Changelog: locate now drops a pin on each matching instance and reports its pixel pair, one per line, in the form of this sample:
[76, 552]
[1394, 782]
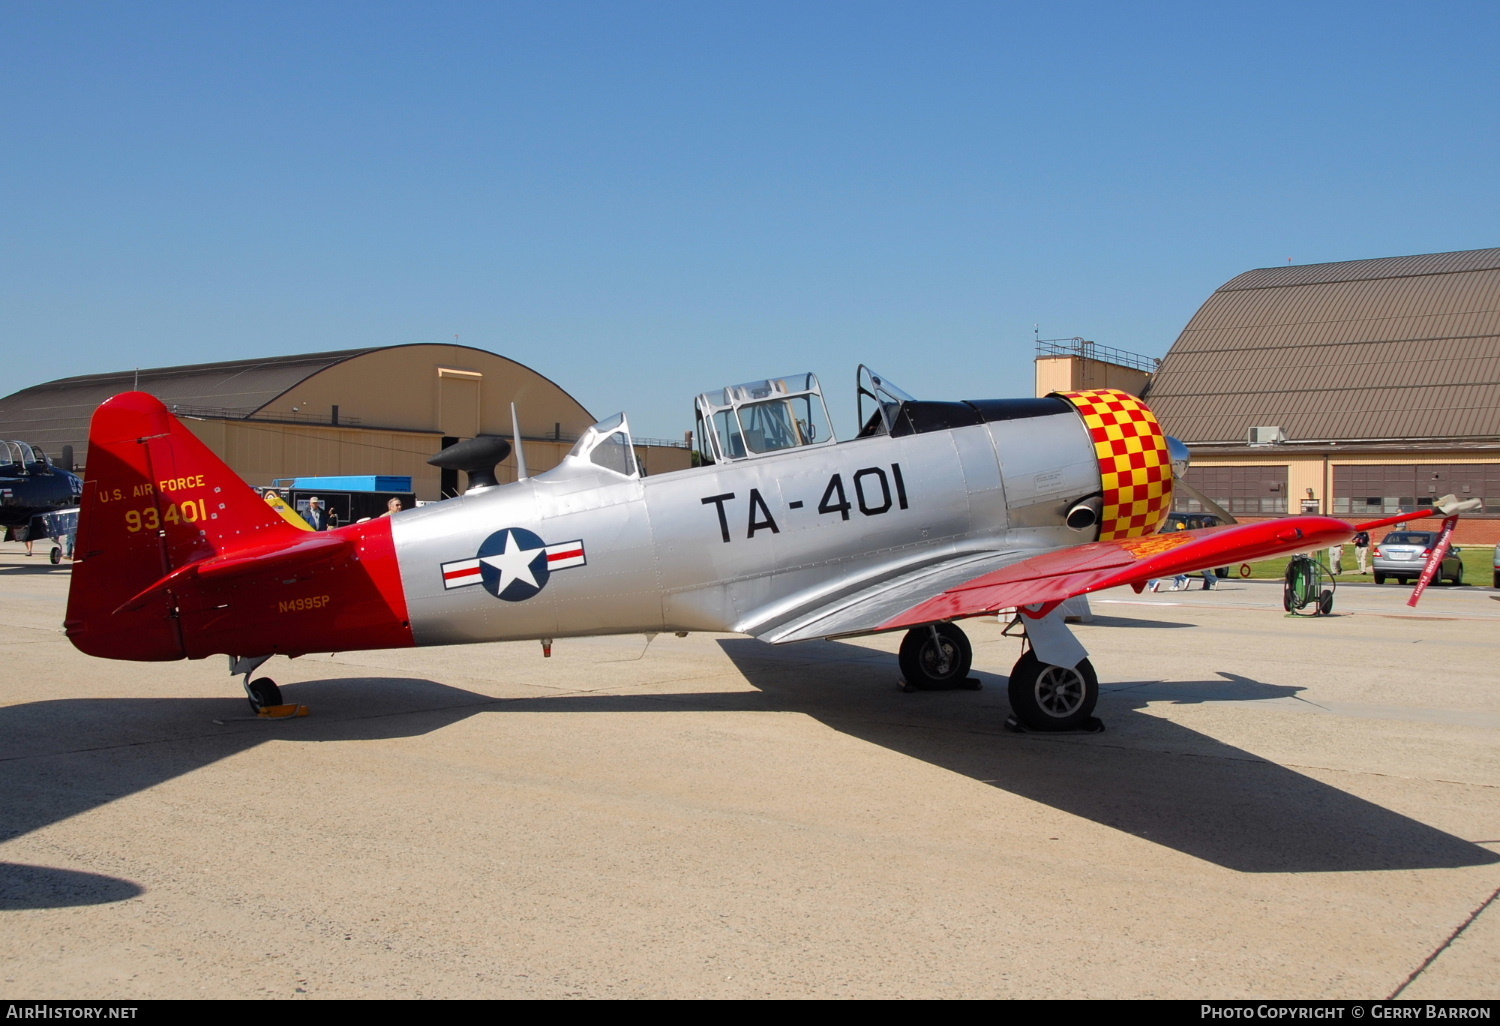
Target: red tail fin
[155, 498]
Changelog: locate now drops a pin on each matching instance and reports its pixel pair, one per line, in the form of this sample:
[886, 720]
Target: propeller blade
[1450, 504]
[1207, 503]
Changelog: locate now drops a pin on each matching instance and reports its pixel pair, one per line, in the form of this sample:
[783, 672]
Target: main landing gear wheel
[1046, 697]
[262, 692]
[935, 657]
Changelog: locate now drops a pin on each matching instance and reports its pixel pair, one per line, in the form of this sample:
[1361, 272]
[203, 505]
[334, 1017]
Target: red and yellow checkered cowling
[1134, 468]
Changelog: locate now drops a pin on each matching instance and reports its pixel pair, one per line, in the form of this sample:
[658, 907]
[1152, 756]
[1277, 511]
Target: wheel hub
[937, 659]
[1060, 691]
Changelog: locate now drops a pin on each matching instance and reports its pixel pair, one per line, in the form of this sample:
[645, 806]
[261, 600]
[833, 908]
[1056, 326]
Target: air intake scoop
[477, 457]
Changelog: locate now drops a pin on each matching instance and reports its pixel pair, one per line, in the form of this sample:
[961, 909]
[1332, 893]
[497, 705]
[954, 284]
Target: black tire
[1046, 697]
[1221, 572]
[263, 692]
[1325, 603]
[1497, 578]
[1287, 596]
[1458, 578]
[1379, 577]
[55, 555]
[930, 667]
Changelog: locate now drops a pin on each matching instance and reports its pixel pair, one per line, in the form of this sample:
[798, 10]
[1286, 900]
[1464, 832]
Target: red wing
[1056, 576]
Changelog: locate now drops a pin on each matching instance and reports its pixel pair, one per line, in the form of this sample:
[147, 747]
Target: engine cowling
[1135, 464]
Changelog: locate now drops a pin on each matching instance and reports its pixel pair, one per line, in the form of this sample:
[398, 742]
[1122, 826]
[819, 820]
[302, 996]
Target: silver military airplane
[934, 512]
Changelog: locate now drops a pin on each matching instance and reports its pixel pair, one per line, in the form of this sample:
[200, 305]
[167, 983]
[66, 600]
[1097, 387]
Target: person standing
[392, 507]
[1362, 551]
[317, 516]
[1336, 559]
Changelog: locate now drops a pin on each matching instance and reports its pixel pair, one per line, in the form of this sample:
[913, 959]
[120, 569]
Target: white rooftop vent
[1266, 436]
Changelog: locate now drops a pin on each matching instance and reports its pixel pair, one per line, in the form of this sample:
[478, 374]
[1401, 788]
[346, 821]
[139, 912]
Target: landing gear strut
[936, 657]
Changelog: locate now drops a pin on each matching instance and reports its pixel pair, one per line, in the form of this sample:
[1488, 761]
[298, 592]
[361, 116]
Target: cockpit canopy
[745, 421]
[607, 444]
[23, 458]
[888, 400]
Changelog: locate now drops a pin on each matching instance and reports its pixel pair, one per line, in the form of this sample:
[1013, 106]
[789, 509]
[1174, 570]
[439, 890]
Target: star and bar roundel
[1135, 470]
[513, 564]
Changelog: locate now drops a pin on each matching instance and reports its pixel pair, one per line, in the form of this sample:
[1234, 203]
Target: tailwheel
[263, 693]
[1046, 697]
[935, 657]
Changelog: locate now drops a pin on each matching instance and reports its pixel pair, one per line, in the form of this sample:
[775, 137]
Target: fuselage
[178, 557]
[727, 547]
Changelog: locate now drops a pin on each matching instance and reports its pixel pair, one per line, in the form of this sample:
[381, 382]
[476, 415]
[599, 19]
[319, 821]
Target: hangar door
[457, 414]
[1374, 489]
[458, 402]
[1249, 490]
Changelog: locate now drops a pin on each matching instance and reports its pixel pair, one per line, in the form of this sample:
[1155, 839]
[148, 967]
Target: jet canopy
[23, 458]
[745, 421]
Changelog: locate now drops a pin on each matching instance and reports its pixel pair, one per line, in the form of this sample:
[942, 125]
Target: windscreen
[607, 444]
[783, 424]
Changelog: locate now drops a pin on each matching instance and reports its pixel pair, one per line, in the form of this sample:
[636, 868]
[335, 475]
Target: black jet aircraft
[30, 485]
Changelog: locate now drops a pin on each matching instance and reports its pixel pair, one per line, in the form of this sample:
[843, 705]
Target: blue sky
[646, 200]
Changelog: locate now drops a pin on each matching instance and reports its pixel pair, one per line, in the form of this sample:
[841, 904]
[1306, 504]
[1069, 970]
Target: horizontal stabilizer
[257, 559]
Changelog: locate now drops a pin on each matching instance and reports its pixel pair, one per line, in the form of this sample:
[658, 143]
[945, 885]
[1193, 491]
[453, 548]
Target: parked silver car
[1403, 554]
[1497, 566]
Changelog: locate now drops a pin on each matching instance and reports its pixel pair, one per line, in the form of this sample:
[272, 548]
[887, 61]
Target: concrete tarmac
[1279, 808]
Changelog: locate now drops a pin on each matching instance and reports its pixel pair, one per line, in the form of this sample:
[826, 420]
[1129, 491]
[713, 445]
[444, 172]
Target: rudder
[155, 498]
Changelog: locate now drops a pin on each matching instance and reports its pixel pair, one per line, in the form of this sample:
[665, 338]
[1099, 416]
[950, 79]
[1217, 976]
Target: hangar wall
[381, 410]
[447, 389]
[386, 411]
[261, 451]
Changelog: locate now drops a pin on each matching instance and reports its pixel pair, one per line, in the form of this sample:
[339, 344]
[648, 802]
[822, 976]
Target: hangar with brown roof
[1356, 388]
[380, 410]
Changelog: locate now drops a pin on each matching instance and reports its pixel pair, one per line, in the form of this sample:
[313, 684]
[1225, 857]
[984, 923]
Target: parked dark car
[1403, 554]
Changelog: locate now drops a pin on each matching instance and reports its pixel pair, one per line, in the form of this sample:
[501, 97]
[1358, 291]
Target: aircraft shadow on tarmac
[23, 886]
[64, 758]
[33, 569]
[1145, 776]
[1125, 621]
